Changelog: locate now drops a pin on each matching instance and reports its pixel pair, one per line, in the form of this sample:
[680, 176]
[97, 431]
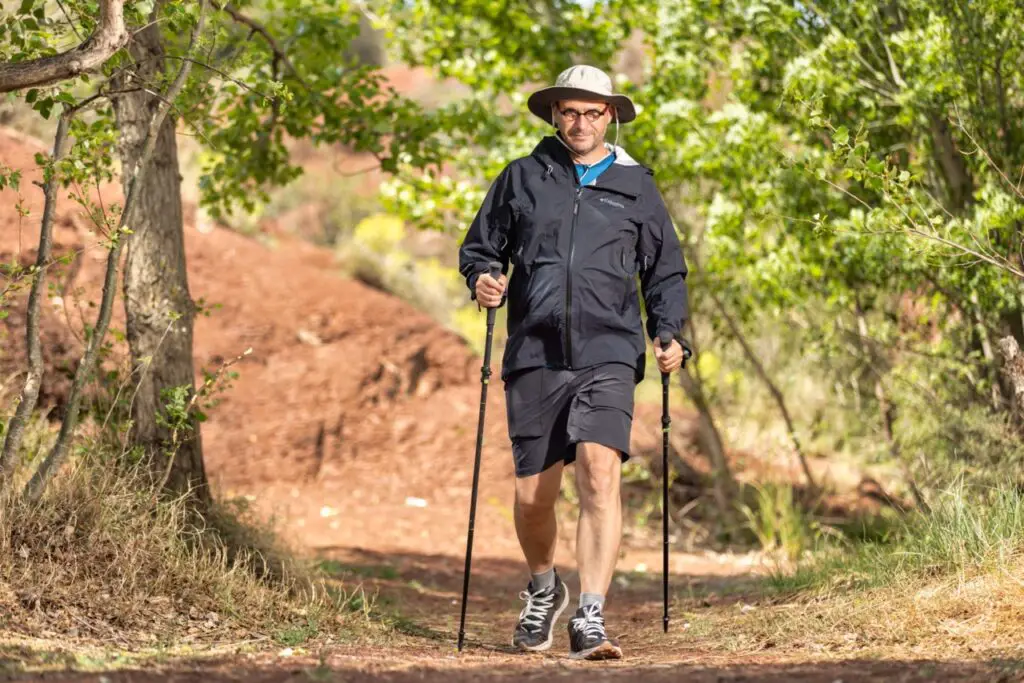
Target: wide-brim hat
[581, 82]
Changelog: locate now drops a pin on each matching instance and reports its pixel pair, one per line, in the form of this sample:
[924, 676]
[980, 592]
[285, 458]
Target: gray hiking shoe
[587, 639]
[534, 632]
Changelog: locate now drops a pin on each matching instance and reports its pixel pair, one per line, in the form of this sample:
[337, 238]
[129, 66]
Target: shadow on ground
[848, 671]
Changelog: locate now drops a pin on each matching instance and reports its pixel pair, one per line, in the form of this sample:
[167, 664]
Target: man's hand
[670, 359]
[489, 290]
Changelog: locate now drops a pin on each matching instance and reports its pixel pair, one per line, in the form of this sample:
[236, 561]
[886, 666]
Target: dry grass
[101, 556]
[961, 616]
[946, 583]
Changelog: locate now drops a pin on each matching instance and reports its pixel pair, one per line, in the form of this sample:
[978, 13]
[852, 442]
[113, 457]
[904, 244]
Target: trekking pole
[485, 374]
[666, 420]
[666, 341]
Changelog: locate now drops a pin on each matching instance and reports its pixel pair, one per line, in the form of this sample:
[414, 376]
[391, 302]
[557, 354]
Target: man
[579, 220]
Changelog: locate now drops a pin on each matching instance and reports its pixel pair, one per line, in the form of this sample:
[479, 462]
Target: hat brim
[540, 102]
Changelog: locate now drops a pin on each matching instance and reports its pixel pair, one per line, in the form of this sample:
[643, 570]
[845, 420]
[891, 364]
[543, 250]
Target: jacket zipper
[568, 279]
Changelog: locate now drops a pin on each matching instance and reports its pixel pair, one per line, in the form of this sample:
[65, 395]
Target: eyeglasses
[591, 115]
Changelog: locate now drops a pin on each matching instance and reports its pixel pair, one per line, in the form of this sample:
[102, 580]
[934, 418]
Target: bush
[375, 256]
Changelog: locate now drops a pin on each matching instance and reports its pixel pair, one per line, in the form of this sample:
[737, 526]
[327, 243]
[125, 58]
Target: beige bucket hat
[580, 82]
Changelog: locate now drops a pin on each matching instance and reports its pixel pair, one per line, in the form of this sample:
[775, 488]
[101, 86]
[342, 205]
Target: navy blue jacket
[576, 253]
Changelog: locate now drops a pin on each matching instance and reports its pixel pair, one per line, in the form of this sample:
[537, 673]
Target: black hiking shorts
[550, 411]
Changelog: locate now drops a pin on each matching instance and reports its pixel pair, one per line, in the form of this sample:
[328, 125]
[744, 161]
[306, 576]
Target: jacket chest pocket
[628, 248]
[535, 236]
[629, 261]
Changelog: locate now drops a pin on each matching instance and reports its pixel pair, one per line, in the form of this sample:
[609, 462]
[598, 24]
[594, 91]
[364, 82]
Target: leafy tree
[264, 74]
[831, 166]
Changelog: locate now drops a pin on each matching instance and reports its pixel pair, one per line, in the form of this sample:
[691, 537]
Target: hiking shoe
[537, 620]
[587, 639]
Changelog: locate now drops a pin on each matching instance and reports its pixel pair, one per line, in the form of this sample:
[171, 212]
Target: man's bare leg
[597, 548]
[598, 473]
[537, 530]
[536, 525]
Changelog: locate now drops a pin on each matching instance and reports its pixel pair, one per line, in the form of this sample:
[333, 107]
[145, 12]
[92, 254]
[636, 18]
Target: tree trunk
[959, 183]
[773, 389]
[710, 442]
[886, 410]
[1013, 371]
[158, 306]
[992, 365]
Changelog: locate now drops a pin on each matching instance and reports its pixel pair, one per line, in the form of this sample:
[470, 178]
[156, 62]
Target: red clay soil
[354, 420]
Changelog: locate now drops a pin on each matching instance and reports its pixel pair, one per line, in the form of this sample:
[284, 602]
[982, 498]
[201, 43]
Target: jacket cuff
[678, 336]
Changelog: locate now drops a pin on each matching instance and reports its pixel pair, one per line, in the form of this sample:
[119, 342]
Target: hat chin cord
[558, 136]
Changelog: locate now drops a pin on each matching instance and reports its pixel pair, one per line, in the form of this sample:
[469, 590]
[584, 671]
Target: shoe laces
[537, 607]
[591, 623]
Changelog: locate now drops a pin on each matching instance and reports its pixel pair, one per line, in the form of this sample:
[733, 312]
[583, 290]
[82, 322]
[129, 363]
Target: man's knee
[598, 474]
[534, 500]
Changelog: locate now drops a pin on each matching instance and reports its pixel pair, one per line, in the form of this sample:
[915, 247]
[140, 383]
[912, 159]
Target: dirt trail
[354, 421]
[425, 588]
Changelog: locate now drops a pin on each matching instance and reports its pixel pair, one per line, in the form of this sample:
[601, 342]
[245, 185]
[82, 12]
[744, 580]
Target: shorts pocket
[523, 404]
[613, 387]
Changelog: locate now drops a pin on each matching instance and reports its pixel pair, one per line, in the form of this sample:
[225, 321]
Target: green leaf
[842, 135]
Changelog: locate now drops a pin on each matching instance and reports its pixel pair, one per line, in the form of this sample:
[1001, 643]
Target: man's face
[573, 120]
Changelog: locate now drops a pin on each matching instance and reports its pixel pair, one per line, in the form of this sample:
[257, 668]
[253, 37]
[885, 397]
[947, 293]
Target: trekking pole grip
[494, 270]
[666, 341]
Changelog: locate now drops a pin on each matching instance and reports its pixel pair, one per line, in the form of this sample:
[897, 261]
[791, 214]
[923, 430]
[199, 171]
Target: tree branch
[70, 22]
[33, 380]
[776, 393]
[259, 28]
[223, 75]
[914, 229]
[109, 37]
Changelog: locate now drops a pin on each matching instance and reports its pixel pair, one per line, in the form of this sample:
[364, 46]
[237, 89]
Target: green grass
[297, 634]
[963, 532]
[336, 568]
[780, 523]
